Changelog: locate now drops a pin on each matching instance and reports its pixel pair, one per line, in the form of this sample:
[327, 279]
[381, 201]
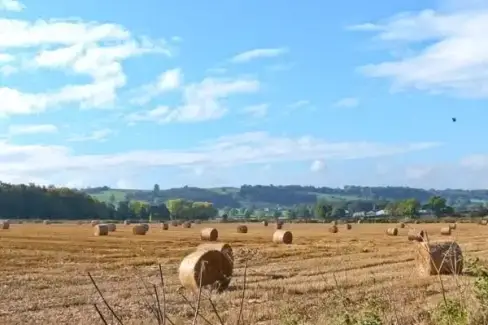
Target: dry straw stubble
[392, 231]
[101, 230]
[282, 237]
[439, 258]
[242, 229]
[205, 267]
[209, 234]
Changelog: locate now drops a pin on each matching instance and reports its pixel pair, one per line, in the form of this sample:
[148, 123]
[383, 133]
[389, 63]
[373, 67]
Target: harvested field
[44, 272]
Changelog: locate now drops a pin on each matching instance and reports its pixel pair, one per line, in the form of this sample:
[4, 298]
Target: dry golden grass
[44, 271]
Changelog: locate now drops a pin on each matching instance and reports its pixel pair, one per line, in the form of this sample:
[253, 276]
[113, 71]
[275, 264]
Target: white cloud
[256, 111]
[201, 101]
[11, 5]
[317, 165]
[258, 54]
[22, 129]
[46, 162]
[97, 135]
[85, 48]
[166, 81]
[347, 102]
[450, 51]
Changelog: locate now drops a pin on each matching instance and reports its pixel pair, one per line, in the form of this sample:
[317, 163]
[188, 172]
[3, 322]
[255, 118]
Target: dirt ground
[43, 273]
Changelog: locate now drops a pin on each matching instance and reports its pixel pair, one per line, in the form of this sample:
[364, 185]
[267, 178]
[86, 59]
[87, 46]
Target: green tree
[437, 204]
[322, 210]
[338, 213]
[176, 207]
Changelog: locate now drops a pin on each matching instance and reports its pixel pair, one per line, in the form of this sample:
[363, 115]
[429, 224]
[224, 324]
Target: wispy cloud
[97, 135]
[347, 102]
[256, 111]
[317, 165]
[11, 5]
[258, 54]
[167, 81]
[24, 129]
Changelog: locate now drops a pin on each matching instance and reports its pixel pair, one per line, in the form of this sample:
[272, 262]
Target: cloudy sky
[211, 93]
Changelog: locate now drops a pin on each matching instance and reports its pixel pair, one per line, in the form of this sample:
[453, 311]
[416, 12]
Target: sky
[223, 93]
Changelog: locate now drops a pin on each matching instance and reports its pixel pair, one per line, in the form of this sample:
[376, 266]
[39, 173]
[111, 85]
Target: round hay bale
[221, 247]
[164, 226]
[333, 229]
[453, 226]
[359, 221]
[174, 223]
[265, 223]
[205, 267]
[242, 229]
[446, 231]
[4, 224]
[139, 229]
[334, 223]
[94, 223]
[186, 224]
[392, 231]
[146, 226]
[279, 225]
[111, 227]
[348, 226]
[439, 258]
[210, 234]
[416, 235]
[417, 222]
[282, 237]
[402, 225]
[483, 222]
[101, 229]
[126, 222]
[46, 222]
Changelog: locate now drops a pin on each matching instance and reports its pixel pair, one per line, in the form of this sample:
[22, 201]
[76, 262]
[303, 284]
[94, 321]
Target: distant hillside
[261, 196]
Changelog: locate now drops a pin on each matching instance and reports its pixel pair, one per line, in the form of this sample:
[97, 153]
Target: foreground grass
[359, 276]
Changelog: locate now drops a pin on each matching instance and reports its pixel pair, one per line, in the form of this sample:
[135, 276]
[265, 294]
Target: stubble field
[43, 273]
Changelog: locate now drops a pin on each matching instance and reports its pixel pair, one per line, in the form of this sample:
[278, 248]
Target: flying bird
[454, 119]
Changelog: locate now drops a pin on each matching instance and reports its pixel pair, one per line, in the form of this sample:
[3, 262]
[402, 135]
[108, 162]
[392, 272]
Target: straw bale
[111, 227]
[484, 222]
[126, 222]
[242, 229]
[210, 234]
[174, 223]
[402, 225]
[453, 226]
[348, 226]
[101, 229]
[95, 222]
[439, 258]
[4, 224]
[416, 235]
[446, 231]
[282, 237]
[164, 226]
[224, 248]
[205, 267]
[139, 229]
[265, 223]
[46, 222]
[334, 222]
[333, 229]
[146, 226]
[392, 231]
[186, 224]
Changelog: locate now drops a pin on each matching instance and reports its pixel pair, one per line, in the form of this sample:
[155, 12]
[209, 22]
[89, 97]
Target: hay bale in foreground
[416, 235]
[139, 230]
[392, 231]
[265, 223]
[446, 231]
[439, 258]
[348, 226]
[205, 267]
[333, 229]
[101, 230]
[242, 229]
[164, 226]
[4, 224]
[453, 226]
[224, 248]
[282, 237]
[210, 234]
[94, 223]
[402, 225]
[186, 224]
[111, 227]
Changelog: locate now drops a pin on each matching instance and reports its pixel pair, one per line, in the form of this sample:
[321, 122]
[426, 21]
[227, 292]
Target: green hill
[262, 196]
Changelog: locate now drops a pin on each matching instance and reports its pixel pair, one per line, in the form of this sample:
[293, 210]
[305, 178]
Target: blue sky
[128, 94]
